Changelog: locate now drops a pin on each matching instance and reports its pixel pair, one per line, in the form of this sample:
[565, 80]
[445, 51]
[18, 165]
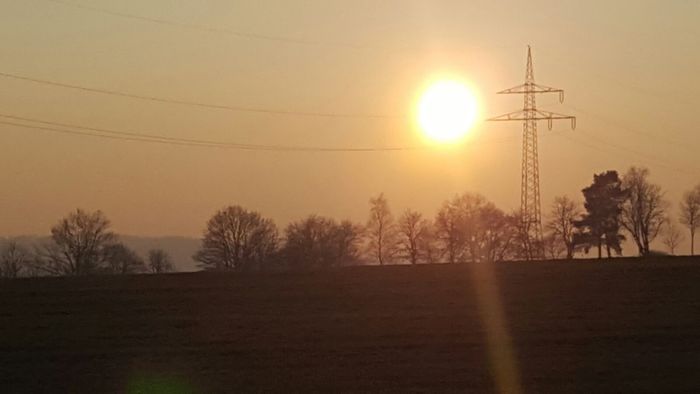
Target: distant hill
[180, 249]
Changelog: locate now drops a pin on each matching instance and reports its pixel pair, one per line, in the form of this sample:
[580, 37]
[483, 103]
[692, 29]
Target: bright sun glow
[447, 110]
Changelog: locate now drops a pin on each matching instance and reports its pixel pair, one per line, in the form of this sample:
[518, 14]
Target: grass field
[546, 327]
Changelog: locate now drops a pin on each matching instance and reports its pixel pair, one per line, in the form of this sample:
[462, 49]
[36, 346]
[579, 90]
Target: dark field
[575, 327]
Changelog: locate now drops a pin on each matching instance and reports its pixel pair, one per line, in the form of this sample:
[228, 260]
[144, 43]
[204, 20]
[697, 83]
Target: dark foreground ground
[575, 327]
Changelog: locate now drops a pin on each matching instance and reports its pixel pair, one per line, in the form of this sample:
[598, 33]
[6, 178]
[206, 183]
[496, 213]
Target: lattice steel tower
[530, 207]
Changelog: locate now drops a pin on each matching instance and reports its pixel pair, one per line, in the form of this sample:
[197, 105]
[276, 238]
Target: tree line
[467, 228]
[81, 243]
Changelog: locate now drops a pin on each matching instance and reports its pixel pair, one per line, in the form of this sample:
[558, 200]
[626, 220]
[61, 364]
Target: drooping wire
[114, 134]
[620, 148]
[406, 49]
[219, 30]
[607, 120]
[129, 136]
[195, 103]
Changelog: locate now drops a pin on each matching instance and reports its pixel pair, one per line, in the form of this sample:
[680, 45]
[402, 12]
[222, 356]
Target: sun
[447, 111]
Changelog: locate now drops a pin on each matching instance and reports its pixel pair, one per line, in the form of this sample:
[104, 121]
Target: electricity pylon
[530, 207]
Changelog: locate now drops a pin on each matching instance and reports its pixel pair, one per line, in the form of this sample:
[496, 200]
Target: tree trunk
[641, 249]
[600, 249]
[692, 242]
[646, 248]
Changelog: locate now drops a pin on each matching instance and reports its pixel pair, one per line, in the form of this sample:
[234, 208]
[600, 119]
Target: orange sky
[629, 69]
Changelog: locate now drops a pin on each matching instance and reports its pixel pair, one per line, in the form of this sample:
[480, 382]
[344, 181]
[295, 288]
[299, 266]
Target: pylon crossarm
[515, 115]
[533, 88]
[552, 116]
[530, 115]
[540, 114]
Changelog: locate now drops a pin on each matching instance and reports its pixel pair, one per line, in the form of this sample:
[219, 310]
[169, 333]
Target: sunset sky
[629, 69]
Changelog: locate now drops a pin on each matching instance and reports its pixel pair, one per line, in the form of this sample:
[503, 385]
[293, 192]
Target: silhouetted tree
[489, 232]
[120, 260]
[471, 228]
[511, 249]
[564, 212]
[159, 262]
[600, 225]
[469, 208]
[525, 246]
[448, 231]
[427, 243]
[644, 212]
[672, 237]
[413, 230]
[381, 230]
[554, 248]
[690, 214]
[530, 248]
[318, 242]
[13, 260]
[347, 239]
[77, 245]
[237, 239]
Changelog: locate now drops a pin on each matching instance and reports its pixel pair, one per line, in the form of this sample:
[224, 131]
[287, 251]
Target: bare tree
[77, 245]
[237, 239]
[13, 260]
[563, 214]
[120, 260]
[554, 248]
[381, 230]
[644, 212]
[427, 243]
[471, 228]
[318, 242]
[672, 237]
[690, 214]
[159, 261]
[496, 235]
[347, 237]
[413, 230]
[516, 239]
[525, 247]
[448, 231]
[471, 210]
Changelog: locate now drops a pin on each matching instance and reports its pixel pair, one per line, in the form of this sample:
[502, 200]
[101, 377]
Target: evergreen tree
[600, 225]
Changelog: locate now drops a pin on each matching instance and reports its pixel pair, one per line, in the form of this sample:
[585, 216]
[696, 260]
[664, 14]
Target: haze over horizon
[629, 74]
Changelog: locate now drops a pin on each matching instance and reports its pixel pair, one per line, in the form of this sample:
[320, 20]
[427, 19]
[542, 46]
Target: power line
[210, 29]
[128, 136]
[259, 110]
[653, 159]
[611, 122]
[253, 36]
[139, 136]
[114, 134]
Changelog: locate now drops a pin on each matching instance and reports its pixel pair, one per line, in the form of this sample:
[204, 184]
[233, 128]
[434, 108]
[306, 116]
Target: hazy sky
[629, 68]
